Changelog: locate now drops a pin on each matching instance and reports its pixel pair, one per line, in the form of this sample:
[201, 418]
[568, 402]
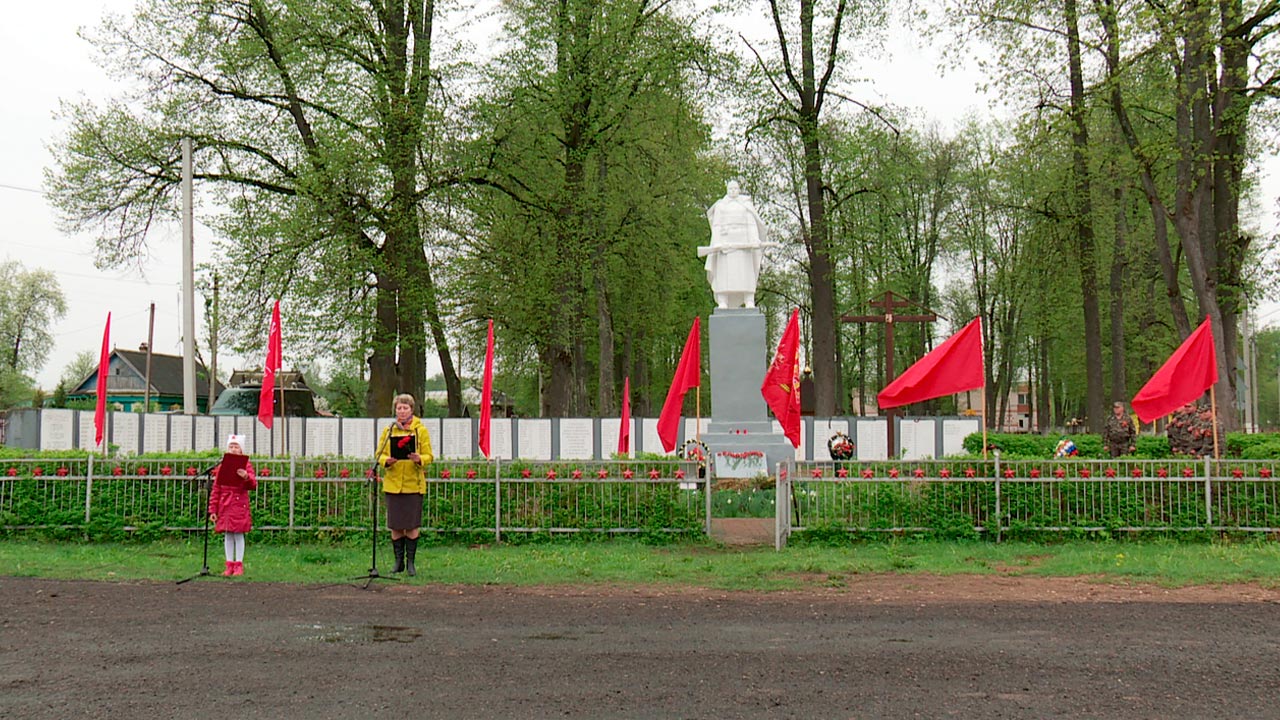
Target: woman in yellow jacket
[404, 484]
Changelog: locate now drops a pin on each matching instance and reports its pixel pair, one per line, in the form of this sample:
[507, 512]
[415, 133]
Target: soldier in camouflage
[1118, 435]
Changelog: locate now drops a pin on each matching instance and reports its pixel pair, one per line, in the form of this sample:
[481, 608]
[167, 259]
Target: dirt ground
[883, 646]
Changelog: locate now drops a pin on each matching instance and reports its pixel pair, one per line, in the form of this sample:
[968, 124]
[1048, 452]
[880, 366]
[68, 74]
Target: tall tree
[595, 175]
[30, 303]
[317, 125]
[812, 40]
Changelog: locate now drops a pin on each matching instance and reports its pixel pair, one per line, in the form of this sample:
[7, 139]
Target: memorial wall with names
[457, 438]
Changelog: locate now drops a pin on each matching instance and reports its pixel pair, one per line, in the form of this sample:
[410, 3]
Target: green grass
[625, 562]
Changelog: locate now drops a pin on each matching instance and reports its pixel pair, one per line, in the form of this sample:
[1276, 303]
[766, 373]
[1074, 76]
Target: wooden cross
[888, 303]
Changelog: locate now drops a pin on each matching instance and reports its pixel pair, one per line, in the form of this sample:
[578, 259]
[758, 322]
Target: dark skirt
[404, 510]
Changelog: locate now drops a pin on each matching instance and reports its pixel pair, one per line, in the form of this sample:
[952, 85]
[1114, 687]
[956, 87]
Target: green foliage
[1015, 446]
[344, 393]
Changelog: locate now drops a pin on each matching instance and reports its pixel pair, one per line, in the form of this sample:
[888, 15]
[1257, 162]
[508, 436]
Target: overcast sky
[43, 61]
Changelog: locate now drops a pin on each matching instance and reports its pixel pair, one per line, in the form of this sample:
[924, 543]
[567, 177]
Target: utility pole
[188, 287]
[151, 332]
[212, 309]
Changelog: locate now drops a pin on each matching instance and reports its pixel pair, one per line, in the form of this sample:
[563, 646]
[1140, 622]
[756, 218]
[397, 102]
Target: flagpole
[1213, 407]
[284, 429]
[984, 421]
[697, 423]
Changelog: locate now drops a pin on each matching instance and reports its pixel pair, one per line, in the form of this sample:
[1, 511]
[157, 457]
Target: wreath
[696, 451]
[840, 446]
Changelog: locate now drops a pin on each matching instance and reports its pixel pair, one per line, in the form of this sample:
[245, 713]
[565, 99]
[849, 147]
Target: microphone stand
[373, 574]
[208, 485]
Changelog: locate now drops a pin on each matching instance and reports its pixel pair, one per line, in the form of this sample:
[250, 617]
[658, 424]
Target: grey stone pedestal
[740, 425]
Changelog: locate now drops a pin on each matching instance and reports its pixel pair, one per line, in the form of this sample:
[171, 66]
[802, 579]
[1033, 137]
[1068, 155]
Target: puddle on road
[361, 633]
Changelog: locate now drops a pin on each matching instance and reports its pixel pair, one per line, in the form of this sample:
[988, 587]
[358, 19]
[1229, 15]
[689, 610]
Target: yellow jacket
[405, 476]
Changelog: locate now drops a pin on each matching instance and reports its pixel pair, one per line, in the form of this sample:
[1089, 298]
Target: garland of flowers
[840, 446]
[743, 454]
[696, 451]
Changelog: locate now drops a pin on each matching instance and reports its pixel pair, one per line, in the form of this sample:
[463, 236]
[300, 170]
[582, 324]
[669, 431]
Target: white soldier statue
[738, 240]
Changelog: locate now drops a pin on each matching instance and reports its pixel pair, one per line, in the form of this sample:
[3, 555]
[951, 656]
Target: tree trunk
[1119, 261]
[1082, 218]
[821, 278]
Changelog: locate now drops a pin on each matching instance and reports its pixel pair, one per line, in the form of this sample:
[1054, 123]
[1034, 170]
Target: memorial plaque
[293, 441]
[871, 440]
[822, 432]
[740, 463]
[85, 431]
[456, 442]
[206, 437]
[180, 432]
[56, 428]
[255, 436]
[155, 433]
[499, 438]
[359, 437]
[124, 431]
[322, 436]
[954, 431]
[576, 442]
[609, 437]
[918, 438]
[652, 444]
[434, 432]
[226, 427]
[535, 438]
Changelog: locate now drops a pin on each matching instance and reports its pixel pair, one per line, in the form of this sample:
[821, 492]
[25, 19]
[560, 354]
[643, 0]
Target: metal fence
[614, 497]
[1000, 497]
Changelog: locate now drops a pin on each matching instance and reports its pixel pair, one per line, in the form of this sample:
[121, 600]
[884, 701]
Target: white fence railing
[614, 497]
[995, 498]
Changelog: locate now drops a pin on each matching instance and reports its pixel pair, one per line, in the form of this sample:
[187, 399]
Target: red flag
[266, 396]
[781, 386]
[624, 430]
[486, 394]
[1189, 371]
[952, 367]
[100, 407]
[688, 374]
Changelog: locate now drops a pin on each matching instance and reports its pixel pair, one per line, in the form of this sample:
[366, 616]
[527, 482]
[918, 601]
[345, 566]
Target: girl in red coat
[229, 509]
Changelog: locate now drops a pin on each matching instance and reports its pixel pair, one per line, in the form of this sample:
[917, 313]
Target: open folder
[228, 474]
[402, 445]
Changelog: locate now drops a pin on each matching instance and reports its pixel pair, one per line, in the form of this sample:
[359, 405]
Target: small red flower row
[1187, 472]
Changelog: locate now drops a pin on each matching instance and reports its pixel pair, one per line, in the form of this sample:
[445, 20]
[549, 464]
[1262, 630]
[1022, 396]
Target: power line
[23, 189]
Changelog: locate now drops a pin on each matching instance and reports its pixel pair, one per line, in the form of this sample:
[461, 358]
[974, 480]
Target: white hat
[237, 439]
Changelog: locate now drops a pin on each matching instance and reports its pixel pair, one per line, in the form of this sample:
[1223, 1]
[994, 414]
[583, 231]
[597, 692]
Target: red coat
[231, 504]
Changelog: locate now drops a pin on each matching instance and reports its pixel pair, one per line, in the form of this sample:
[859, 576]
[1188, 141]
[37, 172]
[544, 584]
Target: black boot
[410, 550]
[397, 546]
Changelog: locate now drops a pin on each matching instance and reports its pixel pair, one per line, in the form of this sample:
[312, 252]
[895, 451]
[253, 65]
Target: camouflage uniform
[1118, 435]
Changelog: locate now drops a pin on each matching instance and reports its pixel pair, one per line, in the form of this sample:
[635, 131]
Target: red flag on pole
[486, 394]
[624, 430]
[688, 375]
[781, 386]
[266, 396]
[954, 366]
[100, 406]
[1189, 371]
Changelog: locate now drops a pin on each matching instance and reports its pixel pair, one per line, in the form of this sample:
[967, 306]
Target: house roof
[166, 374]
